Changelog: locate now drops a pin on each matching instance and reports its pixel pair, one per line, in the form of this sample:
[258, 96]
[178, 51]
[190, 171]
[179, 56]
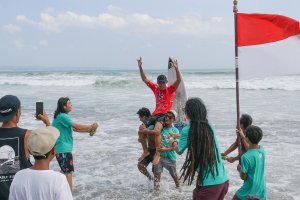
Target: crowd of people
[22, 180]
[203, 157]
[159, 138]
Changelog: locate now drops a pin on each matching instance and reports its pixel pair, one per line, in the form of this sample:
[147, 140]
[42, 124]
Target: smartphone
[39, 109]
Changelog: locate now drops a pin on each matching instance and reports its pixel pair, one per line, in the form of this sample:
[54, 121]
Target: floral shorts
[65, 162]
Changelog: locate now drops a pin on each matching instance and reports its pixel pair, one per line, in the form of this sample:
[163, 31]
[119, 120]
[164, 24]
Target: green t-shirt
[219, 178]
[165, 142]
[64, 123]
[253, 164]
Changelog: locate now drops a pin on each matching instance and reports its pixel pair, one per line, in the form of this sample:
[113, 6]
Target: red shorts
[212, 192]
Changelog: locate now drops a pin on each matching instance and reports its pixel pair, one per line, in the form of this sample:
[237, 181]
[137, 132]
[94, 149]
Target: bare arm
[84, 128]
[243, 139]
[165, 149]
[44, 118]
[142, 73]
[242, 175]
[178, 77]
[175, 135]
[155, 131]
[230, 149]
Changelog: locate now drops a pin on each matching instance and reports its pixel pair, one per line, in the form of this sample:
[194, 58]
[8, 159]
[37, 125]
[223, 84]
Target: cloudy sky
[113, 33]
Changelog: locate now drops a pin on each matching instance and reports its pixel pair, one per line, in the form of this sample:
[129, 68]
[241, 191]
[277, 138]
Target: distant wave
[193, 80]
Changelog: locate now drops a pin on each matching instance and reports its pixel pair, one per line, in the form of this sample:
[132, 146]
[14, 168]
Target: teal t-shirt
[209, 180]
[64, 123]
[165, 142]
[253, 164]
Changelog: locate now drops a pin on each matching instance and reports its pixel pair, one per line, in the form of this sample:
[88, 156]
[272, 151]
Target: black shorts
[149, 158]
[153, 119]
[65, 162]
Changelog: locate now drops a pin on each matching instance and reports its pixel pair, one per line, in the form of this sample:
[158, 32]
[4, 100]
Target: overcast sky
[112, 34]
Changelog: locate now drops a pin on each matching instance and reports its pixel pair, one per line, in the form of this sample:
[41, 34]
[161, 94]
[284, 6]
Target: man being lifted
[164, 96]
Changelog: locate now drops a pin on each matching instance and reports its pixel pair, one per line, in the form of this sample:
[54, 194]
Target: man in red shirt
[164, 96]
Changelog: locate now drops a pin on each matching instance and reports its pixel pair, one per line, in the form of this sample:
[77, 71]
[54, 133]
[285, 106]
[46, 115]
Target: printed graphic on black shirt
[9, 158]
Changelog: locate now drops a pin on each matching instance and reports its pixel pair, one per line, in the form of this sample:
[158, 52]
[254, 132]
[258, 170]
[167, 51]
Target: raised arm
[178, 77]
[243, 139]
[142, 73]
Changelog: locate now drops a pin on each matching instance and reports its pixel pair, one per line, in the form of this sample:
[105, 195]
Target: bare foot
[156, 158]
[144, 155]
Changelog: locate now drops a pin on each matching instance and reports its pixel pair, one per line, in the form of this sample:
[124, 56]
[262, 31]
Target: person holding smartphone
[13, 142]
[64, 144]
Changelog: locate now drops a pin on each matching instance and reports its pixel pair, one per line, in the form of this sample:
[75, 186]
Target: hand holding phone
[39, 109]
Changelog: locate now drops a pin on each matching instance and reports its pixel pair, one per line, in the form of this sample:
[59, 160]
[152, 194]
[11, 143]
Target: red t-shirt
[164, 99]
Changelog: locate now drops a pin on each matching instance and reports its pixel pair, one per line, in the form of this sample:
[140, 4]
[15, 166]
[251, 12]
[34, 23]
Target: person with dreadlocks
[203, 154]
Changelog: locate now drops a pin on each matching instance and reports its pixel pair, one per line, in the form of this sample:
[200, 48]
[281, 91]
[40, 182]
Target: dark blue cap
[9, 106]
[162, 79]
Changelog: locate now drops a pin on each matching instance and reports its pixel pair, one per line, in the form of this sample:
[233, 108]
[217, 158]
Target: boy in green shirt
[167, 153]
[252, 168]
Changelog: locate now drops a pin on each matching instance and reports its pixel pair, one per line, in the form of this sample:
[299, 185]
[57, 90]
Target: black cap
[162, 79]
[9, 106]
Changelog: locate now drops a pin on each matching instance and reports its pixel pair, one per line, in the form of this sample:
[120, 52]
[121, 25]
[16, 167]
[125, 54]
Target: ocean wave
[133, 80]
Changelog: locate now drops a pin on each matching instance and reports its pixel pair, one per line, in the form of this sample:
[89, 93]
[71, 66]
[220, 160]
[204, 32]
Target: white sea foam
[131, 79]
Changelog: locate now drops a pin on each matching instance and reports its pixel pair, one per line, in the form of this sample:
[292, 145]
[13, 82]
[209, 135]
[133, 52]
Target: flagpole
[235, 10]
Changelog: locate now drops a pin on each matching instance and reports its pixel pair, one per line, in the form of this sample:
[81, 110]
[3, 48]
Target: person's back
[252, 168]
[254, 160]
[13, 155]
[39, 184]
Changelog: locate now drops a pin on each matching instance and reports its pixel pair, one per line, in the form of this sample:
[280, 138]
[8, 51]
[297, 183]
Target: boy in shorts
[167, 153]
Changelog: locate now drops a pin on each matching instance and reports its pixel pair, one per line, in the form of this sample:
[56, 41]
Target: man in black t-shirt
[14, 154]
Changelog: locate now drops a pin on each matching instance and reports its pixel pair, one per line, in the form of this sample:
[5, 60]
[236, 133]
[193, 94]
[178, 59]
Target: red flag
[267, 45]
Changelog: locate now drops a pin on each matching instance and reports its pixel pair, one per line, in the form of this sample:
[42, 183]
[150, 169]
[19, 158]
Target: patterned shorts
[65, 162]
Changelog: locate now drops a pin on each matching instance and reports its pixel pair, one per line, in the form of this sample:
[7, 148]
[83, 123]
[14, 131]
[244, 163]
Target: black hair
[62, 102]
[254, 134]
[202, 154]
[144, 112]
[43, 157]
[246, 120]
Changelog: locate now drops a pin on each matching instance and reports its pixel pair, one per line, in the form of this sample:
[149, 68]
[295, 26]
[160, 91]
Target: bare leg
[158, 126]
[144, 171]
[157, 180]
[69, 179]
[176, 180]
[143, 141]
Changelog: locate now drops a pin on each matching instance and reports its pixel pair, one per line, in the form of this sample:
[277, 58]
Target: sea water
[106, 164]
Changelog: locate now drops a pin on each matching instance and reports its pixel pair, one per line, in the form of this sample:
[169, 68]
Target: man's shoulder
[14, 129]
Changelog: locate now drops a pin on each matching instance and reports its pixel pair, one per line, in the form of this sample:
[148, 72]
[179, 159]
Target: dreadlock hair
[202, 154]
[62, 102]
[246, 120]
[254, 134]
